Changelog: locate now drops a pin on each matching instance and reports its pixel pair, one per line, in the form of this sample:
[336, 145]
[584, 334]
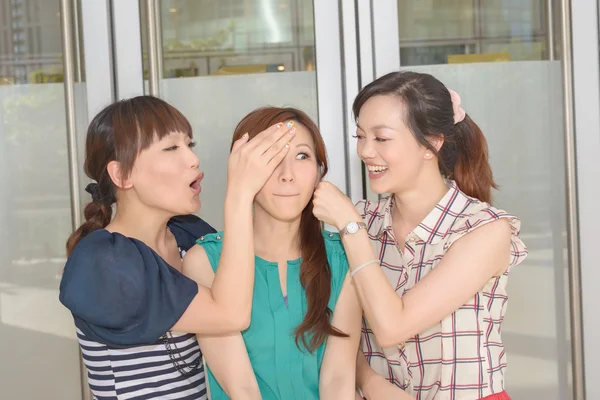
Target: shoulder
[480, 221]
[207, 246]
[104, 253]
[188, 228]
[121, 292]
[336, 255]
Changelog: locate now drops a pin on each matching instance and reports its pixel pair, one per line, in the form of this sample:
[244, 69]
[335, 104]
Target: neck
[411, 206]
[142, 223]
[275, 240]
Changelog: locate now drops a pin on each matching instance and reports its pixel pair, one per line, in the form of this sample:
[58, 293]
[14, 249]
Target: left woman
[135, 312]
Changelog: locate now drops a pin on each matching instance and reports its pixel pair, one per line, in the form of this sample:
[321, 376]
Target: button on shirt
[462, 357]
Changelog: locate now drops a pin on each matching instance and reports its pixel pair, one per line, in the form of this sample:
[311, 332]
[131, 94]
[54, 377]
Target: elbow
[390, 337]
[240, 320]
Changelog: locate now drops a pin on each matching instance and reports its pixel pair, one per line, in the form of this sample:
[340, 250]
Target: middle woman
[305, 327]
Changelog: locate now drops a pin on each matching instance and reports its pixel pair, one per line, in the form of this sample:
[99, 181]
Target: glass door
[219, 60]
[504, 58]
[39, 352]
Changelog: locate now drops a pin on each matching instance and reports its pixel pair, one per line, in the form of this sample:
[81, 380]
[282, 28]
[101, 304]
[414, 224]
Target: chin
[191, 208]
[379, 188]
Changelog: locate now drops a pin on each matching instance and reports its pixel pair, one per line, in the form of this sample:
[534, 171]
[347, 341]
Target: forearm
[342, 386]
[380, 303]
[233, 284]
[243, 392]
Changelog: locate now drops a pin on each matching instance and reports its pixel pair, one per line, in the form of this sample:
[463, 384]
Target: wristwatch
[352, 228]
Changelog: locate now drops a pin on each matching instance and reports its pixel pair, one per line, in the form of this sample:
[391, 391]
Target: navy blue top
[121, 292]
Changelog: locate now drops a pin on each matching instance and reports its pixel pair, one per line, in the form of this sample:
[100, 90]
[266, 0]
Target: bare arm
[226, 355]
[226, 307]
[373, 385]
[469, 263]
[337, 372]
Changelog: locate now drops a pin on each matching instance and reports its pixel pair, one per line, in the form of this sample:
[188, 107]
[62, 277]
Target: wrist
[238, 197]
[343, 222]
[371, 384]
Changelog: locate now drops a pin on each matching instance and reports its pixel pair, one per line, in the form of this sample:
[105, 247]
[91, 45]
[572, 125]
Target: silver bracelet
[355, 270]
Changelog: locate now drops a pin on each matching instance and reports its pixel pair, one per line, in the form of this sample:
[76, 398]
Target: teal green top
[283, 371]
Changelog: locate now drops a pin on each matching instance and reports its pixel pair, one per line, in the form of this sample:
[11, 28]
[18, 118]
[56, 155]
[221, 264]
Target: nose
[286, 173]
[365, 149]
[194, 160]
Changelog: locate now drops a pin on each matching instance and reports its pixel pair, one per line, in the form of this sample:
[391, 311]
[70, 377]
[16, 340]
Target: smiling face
[165, 176]
[289, 190]
[386, 145]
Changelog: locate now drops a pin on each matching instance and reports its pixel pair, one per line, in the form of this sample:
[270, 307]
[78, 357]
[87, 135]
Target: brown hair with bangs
[315, 272]
[119, 133]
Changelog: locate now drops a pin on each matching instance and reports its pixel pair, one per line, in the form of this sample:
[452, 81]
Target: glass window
[507, 30]
[232, 57]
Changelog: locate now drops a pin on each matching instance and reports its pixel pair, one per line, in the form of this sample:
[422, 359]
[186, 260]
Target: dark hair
[119, 133]
[463, 156]
[315, 273]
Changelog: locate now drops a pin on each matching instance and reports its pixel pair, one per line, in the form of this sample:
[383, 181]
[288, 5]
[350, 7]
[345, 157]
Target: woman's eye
[302, 156]
[192, 145]
[358, 137]
[381, 139]
[171, 148]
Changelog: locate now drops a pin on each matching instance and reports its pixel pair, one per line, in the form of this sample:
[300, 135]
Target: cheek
[308, 180]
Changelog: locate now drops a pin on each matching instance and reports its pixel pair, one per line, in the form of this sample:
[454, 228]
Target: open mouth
[195, 185]
[376, 171]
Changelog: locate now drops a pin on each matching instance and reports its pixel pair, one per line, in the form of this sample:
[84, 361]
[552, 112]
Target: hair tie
[459, 112]
[94, 189]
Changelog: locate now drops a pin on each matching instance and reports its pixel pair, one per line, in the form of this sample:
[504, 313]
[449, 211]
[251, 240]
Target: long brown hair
[315, 272]
[463, 156]
[119, 133]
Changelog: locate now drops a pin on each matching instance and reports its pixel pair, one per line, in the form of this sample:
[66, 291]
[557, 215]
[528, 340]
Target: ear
[114, 171]
[436, 142]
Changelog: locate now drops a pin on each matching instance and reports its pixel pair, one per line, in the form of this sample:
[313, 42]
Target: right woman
[135, 312]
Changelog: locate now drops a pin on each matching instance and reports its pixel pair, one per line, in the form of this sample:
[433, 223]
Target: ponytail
[472, 171]
[97, 216]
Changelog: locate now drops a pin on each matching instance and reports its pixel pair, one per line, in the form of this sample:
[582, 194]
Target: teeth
[376, 168]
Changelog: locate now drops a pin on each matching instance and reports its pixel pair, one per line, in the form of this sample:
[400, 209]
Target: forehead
[381, 109]
[303, 136]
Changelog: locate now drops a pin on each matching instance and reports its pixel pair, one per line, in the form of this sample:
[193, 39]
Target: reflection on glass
[440, 31]
[234, 56]
[231, 37]
[37, 333]
[422, 55]
[30, 42]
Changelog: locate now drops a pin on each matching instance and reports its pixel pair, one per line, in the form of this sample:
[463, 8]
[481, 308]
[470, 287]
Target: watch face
[352, 227]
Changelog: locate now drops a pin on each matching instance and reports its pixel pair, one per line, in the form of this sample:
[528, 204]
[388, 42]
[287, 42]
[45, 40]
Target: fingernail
[245, 135]
[292, 131]
[287, 144]
[290, 124]
[279, 125]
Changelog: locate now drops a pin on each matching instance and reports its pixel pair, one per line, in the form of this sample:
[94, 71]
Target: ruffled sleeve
[518, 250]
[121, 293]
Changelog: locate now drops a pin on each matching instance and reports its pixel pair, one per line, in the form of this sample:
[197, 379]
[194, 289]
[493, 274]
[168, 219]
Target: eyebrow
[376, 127]
[304, 145]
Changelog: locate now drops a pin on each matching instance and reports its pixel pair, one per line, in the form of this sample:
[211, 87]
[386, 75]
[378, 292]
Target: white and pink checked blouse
[461, 357]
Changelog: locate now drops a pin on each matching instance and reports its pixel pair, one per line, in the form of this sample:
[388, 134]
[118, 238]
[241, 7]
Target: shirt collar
[436, 224]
